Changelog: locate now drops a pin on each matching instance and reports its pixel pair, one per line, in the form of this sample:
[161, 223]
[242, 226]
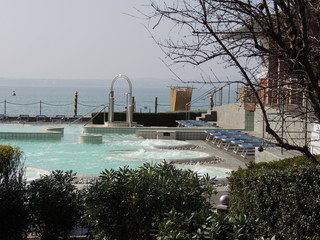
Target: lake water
[53, 99]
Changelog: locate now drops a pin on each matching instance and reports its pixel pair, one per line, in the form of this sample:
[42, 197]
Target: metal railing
[212, 91]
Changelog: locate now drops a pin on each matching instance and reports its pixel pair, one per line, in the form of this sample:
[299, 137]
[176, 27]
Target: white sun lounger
[58, 118]
[23, 118]
[220, 140]
[212, 133]
[218, 132]
[217, 136]
[246, 147]
[242, 143]
[194, 123]
[244, 139]
[41, 118]
[229, 141]
[3, 117]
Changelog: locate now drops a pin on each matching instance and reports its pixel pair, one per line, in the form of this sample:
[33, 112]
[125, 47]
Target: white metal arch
[129, 101]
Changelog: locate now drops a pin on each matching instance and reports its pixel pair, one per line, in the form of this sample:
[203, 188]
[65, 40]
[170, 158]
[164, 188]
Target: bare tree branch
[278, 37]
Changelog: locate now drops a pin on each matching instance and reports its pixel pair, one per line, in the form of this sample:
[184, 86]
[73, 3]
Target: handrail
[103, 109]
[188, 105]
[91, 111]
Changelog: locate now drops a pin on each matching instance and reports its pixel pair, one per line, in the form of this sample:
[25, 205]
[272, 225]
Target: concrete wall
[176, 135]
[231, 116]
[294, 128]
[274, 154]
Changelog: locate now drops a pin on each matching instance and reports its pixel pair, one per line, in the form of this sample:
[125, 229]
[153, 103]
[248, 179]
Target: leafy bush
[283, 164]
[203, 225]
[125, 204]
[11, 168]
[284, 196]
[13, 210]
[54, 205]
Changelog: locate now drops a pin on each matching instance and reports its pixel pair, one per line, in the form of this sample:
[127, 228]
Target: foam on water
[116, 151]
[210, 170]
[34, 173]
[145, 154]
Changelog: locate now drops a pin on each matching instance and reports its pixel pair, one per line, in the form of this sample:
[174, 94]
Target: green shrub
[283, 164]
[54, 205]
[284, 196]
[125, 204]
[13, 209]
[11, 168]
[203, 225]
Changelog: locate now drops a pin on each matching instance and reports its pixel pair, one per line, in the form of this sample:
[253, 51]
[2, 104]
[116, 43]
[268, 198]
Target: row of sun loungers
[2, 117]
[241, 143]
[42, 118]
[194, 123]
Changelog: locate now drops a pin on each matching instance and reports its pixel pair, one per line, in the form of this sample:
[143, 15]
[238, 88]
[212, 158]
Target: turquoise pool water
[117, 150]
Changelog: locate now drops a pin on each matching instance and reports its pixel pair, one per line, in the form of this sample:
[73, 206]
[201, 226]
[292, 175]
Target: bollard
[222, 208]
[75, 112]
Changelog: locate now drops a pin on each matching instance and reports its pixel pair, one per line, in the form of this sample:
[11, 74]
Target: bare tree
[273, 43]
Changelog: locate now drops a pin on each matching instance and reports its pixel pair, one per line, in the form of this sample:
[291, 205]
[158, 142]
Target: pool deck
[227, 159]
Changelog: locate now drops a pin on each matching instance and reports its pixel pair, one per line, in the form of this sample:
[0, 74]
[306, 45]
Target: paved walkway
[229, 159]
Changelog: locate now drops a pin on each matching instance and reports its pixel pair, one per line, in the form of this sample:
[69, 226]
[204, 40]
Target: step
[211, 115]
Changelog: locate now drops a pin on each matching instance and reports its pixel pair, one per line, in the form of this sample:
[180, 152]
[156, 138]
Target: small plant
[54, 205]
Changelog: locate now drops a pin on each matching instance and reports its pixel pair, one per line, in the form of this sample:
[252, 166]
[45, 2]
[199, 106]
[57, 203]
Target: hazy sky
[79, 39]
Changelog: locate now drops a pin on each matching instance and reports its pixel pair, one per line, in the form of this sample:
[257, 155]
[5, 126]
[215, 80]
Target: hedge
[205, 224]
[147, 119]
[284, 196]
[127, 203]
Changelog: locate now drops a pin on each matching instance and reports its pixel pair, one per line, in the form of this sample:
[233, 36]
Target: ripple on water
[116, 151]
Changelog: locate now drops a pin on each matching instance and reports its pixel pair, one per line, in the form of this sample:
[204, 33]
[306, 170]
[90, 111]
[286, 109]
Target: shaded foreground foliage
[161, 202]
[49, 206]
[284, 196]
[54, 205]
[126, 204]
[205, 224]
[13, 198]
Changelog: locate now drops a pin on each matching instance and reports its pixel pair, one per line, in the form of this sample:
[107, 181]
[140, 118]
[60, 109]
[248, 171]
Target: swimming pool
[117, 150]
